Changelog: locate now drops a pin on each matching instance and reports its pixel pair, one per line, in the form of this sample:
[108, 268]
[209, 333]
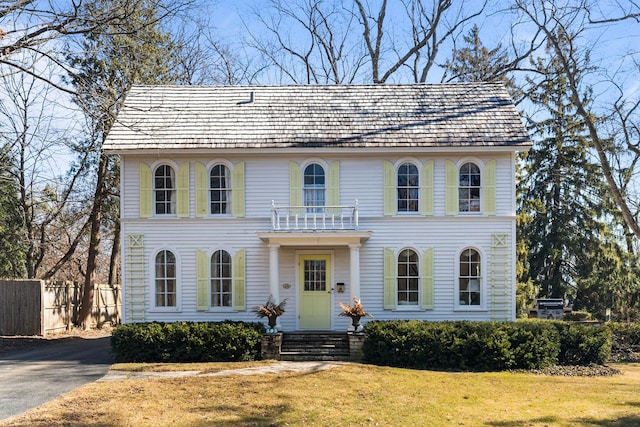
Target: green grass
[351, 395]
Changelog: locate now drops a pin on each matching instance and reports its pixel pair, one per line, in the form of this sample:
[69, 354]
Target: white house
[400, 195]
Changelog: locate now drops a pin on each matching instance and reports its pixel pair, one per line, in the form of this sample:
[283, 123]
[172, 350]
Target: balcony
[314, 218]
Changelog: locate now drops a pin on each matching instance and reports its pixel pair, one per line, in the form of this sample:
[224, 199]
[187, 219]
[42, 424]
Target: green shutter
[239, 280]
[451, 183]
[202, 281]
[426, 188]
[146, 199]
[182, 209]
[389, 188]
[426, 290]
[489, 188]
[202, 190]
[295, 184]
[389, 279]
[333, 185]
[237, 191]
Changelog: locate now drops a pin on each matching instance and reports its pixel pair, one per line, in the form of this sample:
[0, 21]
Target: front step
[314, 346]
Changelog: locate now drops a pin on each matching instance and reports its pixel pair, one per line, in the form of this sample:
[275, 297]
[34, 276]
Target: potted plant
[271, 311]
[355, 312]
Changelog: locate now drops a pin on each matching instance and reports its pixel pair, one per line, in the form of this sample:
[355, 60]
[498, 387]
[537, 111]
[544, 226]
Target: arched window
[408, 188]
[469, 281]
[469, 188]
[408, 278]
[219, 189]
[164, 190]
[166, 286]
[314, 187]
[221, 279]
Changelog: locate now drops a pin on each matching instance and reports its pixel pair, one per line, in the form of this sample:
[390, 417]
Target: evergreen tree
[12, 244]
[133, 50]
[476, 63]
[563, 193]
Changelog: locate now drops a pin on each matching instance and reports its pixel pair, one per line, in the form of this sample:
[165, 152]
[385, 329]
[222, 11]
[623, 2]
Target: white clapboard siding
[267, 179]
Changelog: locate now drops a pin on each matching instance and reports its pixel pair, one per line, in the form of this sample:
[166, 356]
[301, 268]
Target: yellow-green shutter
[202, 190]
[426, 188]
[451, 184]
[426, 291]
[333, 185]
[295, 184]
[489, 188]
[202, 281]
[389, 279]
[237, 190]
[146, 199]
[182, 209]
[239, 281]
[389, 188]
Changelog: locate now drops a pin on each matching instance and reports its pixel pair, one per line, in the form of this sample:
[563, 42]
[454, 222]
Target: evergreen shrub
[483, 346]
[187, 341]
[625, 340]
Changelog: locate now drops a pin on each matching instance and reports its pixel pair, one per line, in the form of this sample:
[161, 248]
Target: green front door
[315, 291]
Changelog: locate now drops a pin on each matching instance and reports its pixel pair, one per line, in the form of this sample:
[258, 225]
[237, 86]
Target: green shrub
[483, 346]
[187, 341]
[625, 340]
[577, 316]
[583, 344]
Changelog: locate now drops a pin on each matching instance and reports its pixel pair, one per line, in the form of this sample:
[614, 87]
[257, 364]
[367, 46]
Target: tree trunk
[115, 253]
[94, 242]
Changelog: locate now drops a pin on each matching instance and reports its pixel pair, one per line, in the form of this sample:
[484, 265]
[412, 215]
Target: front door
[315, 291]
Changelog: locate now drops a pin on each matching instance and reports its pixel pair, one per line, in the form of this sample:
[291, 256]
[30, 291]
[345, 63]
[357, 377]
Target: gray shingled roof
[438, 115]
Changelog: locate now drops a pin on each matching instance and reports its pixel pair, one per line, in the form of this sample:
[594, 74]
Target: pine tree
[562, 193]
[476, 63]
[12, 244]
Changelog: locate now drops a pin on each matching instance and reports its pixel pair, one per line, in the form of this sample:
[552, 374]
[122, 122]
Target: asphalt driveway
[29, 378]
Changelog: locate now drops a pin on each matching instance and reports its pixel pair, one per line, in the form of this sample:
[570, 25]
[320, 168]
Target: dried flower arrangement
[355, 312]
[270, 310]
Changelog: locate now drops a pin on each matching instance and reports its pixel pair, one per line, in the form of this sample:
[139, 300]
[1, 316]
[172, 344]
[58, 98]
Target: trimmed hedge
[483, 346]
[187, 342]
[625, 341]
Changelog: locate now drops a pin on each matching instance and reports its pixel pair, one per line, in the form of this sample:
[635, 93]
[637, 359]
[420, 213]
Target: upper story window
[165, 279]
[408, 187]
[408, 278]
[164, 190]
[469, 188]
[221, 279]
[470, 280]
[220, 190]
[314, 186]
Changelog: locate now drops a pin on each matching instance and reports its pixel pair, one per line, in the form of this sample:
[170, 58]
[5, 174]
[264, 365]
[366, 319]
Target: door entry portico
[315, 291]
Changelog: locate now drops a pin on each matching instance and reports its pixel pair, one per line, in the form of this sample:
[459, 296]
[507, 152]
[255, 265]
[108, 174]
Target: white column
[354, 279]
[274, 276]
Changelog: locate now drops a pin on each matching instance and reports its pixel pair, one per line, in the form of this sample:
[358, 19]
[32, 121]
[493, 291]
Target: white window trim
[155, 165]
[419, 165]
[480, 163]
[410, 307]
[483, 282]
[208, 168]
[151, 291]
[217, 309]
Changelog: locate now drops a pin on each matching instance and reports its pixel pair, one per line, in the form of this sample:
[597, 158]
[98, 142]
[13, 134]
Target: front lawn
[351, 395]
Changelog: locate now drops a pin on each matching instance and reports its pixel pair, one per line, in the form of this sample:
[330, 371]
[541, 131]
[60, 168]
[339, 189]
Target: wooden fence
[38, 307]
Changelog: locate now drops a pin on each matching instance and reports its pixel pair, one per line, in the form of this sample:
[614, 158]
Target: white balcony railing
[293, 218]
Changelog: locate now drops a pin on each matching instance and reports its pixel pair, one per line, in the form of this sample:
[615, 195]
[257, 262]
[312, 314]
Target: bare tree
[35, 136]
[614, 119]
[308, 41]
